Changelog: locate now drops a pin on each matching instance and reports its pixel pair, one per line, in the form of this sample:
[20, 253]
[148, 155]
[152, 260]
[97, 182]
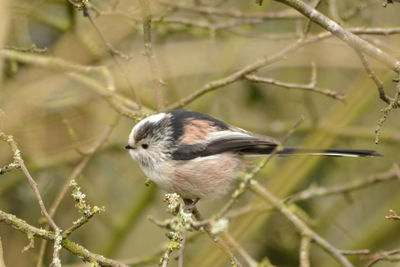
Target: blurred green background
[36, 101]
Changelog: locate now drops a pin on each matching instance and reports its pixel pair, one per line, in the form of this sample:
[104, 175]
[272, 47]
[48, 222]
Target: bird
[199, 157]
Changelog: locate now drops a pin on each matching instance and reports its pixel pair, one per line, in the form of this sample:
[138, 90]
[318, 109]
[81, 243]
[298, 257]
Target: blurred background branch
[75, 78]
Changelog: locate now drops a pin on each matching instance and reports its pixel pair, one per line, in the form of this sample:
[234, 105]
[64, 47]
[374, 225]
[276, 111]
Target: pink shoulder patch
[195, 131]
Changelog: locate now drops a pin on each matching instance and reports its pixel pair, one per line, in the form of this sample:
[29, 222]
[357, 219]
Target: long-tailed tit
[198, 156]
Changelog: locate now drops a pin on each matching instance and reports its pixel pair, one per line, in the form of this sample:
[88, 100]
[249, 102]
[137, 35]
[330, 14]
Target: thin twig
[355, 252]
[307, 28]
[247, 209]
[374, 78]
[227, 250]
[245, 255]
[286, 14]
[2, 263]
[313, 192]
[351, 39]
[132, 216]
[333, 11]
[112, 51]
[384, 256]
[17, 159]
[35, 189]
[393, 216]
[158, 82]
[305, 251]
[83, 208]
[394, 103]
[350, 13]
[59, 64]
[247, 180]
[238, 75]
[264, 61]
[216, 239]
[165, 258]
[181, 250]
[155, 256]
[76, 249]
[300, 225]
[306, 87]
[74, 174]
[118, 102]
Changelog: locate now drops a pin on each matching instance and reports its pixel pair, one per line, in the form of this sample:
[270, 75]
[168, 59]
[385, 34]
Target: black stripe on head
[158, 129]
[144, 131]
[179, 116]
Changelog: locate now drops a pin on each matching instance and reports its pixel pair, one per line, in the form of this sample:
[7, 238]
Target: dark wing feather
[239, 143]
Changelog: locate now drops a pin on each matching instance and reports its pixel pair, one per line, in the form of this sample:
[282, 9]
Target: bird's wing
[224, 141]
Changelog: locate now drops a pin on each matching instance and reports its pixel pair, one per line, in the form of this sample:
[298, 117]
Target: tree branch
[351, 39]
[300, 226]
[158, 82]
[312, 192]
[76, 249]
[305, 87]
[267, 60]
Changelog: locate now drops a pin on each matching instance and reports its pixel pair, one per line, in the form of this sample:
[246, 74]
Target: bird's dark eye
[145, 146]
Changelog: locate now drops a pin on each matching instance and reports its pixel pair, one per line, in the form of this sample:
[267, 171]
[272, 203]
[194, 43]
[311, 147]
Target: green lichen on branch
[56, 262]
[84, 208]
[17, 159]
[182, 221]
[76, 249]
[31, 239]
[394, 103]
[80, 199]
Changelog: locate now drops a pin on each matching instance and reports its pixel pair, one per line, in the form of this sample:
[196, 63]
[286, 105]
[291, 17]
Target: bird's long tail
[334, 152]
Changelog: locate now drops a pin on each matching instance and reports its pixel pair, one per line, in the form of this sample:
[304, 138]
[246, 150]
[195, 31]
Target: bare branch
[76, 249]
[307, 28]
[305, 251]
[393, 216]
[248, 178]
[306, 87]
[312, 192]
[300, 226]
[356, 9]
[262, 62]
[158, 82]
[182, 249]
[355, 252]
[112, 51]
[17, 159]
[75, 173]
[394, 103]
[333, 11]
[2, 263]
[85, 209]
[375, 78]
[351, 39]
[118, 102]
[19, 163]
[286, 14]
[245, 255]
[390, 256]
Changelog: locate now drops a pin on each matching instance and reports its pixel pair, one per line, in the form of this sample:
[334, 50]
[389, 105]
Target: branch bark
[76, 249]
[351, 39]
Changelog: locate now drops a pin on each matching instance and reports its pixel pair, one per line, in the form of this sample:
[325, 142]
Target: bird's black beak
[128, 147]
